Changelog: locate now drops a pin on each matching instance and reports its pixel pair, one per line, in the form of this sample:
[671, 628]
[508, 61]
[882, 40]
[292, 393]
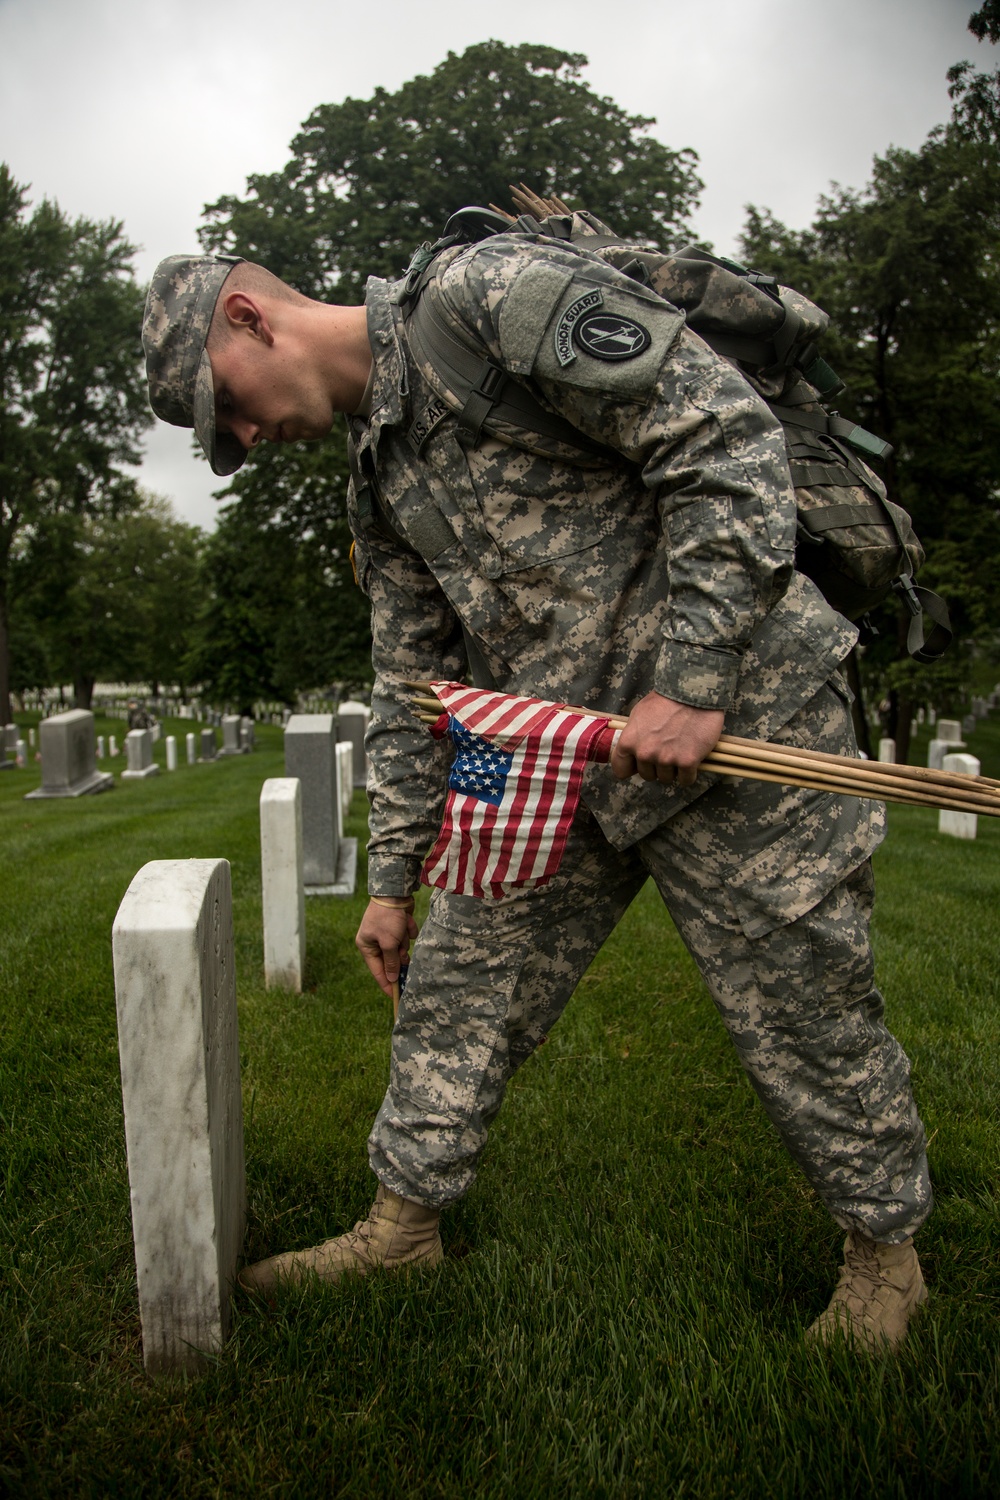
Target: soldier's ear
[246, 314]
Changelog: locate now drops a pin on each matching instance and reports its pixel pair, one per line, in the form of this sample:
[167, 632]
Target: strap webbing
[485, 390]
[829, 517]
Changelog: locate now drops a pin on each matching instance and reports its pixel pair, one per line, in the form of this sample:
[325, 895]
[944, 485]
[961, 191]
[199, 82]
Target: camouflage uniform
[595, 579]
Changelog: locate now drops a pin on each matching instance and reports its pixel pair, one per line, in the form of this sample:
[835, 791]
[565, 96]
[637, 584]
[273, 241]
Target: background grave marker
[68, 768]
[282, 885]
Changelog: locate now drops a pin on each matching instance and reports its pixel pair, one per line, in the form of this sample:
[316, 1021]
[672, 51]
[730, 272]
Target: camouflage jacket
[662, 561]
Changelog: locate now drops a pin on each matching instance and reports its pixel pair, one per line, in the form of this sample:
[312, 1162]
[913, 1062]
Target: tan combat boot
[397, 1232]
[879, 1290]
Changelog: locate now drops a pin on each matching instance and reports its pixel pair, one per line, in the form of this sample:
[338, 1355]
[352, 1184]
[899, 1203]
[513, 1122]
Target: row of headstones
[175, 991]
[70, 750]
[946, 753]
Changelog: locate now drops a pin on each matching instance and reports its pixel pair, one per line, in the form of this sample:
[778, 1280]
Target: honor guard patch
[609, 336]
[565, 353]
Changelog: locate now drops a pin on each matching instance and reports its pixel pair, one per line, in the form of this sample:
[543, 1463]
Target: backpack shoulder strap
[478, 387]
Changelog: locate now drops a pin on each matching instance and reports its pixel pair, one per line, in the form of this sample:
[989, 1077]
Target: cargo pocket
[795, 871]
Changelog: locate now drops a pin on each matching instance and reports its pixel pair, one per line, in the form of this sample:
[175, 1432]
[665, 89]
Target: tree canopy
[908, 269]
[106, 595]
[72, 401]
[369, 179]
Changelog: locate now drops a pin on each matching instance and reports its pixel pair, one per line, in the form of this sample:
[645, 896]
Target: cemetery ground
[621, 1306]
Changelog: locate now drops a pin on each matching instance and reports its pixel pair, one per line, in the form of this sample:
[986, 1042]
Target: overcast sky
[145, 110]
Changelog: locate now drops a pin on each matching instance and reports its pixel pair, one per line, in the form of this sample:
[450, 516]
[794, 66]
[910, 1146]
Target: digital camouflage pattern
[179, 307]
[578, 578]
[752, 875]
[665, 564]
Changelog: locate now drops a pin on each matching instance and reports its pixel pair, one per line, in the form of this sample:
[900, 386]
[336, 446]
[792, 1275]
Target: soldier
[641, 555]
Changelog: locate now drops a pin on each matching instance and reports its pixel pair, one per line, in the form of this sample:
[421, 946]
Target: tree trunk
[83, 691]
[904, 726]
[861, 731]
[4, 657]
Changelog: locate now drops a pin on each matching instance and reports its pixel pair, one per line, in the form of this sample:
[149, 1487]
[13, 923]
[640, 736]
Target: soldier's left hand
[666, 741]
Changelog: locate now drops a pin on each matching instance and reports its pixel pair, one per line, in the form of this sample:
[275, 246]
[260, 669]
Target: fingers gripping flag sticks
[513, 788]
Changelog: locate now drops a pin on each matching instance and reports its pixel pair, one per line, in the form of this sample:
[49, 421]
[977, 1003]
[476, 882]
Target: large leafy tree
[908, 269]
[367, 181]
[281, 610]
[72, 401]
[106, 595]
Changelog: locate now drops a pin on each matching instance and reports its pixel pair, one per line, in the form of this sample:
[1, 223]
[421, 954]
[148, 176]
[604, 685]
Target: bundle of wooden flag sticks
[788, 765]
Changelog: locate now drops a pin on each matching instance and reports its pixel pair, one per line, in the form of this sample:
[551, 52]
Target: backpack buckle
[903, 586]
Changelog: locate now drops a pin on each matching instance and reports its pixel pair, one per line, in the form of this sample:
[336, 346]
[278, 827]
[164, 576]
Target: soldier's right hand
[384, 938]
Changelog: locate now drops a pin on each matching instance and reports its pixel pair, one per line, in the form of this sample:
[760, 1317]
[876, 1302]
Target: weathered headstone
[100, 747]
[282, 885]
[352, 722]
[329, 863]
[932, 716]
[68, 769]
[208, 745]
[969, 724]
[31, 738]
[171, 746]
[178, 1042]
[887, 751]
[961, 825]
[247, 736]
[11, 735]
[139, 749]
[310, 755]
[112, 746]
[949, 730]
[936, 752]
[21, 754]
[231, 735]
[191, 747]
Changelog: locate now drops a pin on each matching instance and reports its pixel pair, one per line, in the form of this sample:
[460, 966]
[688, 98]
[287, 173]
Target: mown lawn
[621, 1308]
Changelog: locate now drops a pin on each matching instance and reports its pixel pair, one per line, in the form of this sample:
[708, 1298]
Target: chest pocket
[534, 509]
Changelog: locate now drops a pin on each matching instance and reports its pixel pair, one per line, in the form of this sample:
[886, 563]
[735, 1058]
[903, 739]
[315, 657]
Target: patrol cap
[179, 307]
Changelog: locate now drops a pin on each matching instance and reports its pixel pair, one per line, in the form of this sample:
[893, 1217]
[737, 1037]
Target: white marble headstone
[887, 751]
[345, 783]
[352, 724]
[68, 746]
[282, 884]
[231, 735]
[191, 747]
[178, 1042]
[171, 744]
[960, 825]
[139, 749]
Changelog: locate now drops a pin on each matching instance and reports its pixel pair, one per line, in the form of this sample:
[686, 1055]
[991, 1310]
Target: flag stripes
[513, 788]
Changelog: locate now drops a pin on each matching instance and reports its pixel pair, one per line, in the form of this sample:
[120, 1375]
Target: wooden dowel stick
[862, 773]
[792, 765]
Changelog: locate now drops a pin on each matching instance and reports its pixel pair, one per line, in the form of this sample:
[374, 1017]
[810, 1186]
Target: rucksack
[855, 543]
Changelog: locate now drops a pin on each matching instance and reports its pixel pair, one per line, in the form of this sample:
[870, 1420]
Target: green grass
[621, 1307]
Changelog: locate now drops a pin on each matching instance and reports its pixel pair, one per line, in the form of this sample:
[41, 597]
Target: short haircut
[257, 280]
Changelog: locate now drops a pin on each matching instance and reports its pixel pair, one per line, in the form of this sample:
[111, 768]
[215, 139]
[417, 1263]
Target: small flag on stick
[513, 788]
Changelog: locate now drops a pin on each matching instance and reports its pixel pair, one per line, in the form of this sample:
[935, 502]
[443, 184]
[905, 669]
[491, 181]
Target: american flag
[513, 788]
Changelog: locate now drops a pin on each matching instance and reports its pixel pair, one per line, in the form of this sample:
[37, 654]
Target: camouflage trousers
[771, 889]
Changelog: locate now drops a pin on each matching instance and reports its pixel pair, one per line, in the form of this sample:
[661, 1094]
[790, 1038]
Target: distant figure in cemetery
[139, 716]
[643, 555]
